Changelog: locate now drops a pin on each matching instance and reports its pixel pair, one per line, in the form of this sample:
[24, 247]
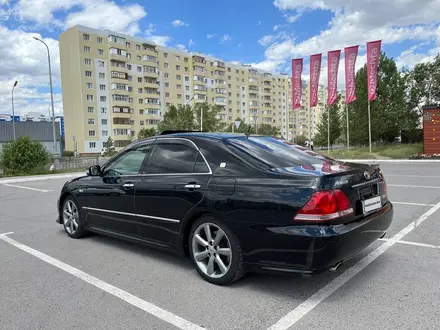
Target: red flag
[297, 67]
[315, 72]
[350, 55]
[373, 56]
[333, 67]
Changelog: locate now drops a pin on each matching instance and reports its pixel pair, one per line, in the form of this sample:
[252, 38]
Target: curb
[401, 161]
[42, 177]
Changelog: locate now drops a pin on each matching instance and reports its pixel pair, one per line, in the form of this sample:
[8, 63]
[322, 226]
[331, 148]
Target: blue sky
[265, 33]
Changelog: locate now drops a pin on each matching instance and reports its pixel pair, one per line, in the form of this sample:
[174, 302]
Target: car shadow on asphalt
[291, 286]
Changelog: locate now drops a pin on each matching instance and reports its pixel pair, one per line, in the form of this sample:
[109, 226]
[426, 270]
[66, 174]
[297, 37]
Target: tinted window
[272, 152]
[129, 163]
[200, 165]
[171, 158]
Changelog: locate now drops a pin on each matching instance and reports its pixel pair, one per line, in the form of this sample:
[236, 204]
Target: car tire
[218, 259]
[72, 218]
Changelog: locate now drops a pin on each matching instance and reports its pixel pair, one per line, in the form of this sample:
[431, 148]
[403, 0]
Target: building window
[139, 69]
[92, 145]
[103, 121]
[142, 123]
[101, 63]
[89, 85]
[101, 52]
[141, 101]
[129, 66]
[165, 65]
[186, 78]
[179, 96]
[138, 47]
[140, 90]
[90, 110]
[91, 121]
[88, 73]
[88, 61]
[139, 58]
[166, 74]
[167, 95]
[177, 67]
[127, 44]
[86, 36]
[167, 85]
[92, 133]
[177, 58]
[139, 79]
[141, 111]
[178, 86]
[187, 97]
[102, 87]
[89, 97]
[86, 49]
[178, 77]
[99, 40]
[165, 55]
[103, 110]
[104, 133]
[103, 98]
[101, 75]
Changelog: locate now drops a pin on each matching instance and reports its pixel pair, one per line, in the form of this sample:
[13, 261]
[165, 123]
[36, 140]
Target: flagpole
[369, 125]
[348, 131]
[328, 130]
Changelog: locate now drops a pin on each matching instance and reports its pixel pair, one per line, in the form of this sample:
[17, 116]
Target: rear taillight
[384, 190]
[325, 205]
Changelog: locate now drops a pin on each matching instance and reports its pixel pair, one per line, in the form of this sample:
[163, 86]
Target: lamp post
[13, 111]
[51, 96]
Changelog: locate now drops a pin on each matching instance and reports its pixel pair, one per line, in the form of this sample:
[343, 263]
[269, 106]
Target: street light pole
[51, 96]
[13, 111]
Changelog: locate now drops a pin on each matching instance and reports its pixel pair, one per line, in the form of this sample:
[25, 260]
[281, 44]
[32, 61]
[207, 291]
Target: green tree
[242, 127]
[178, 118]
[423, 85]
[334, 111]
[147, 132]
[23, 156]
[266, 129]
[211, 121]
[109, 148]
[390, 112]
[301, 139]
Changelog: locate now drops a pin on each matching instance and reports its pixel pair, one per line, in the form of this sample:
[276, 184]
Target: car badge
[367, 175]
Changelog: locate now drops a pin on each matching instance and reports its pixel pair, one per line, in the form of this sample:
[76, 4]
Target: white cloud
[293, 18]
[99, 14]
[209, 35]
[178, 23]
[108, 15]
[150, 29]
[272, 66]
[160, 40]
[225, 38]
[266, 40]
[357, 22]
[181, 46]
[191, 43]
[276, 27]
[410, 57]
[25, 60]
[259, 22]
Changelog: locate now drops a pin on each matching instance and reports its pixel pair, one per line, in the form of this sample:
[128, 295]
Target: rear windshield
[274, 153]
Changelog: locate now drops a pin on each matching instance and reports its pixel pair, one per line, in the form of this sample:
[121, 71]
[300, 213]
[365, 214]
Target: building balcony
[199, 79]
[149, 49]
[200, 88]
[152, 100]
[117, 57]
[149, 84]
[123, 92]
[219, 64]
[199, 60]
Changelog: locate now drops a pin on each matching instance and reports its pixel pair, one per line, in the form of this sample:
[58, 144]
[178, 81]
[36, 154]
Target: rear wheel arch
[186, 228]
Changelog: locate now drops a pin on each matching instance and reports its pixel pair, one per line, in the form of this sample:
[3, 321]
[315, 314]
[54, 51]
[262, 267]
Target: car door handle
[192, 186]
[128, 185]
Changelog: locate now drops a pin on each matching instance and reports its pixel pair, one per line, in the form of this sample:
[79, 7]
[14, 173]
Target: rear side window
[200, 165]
[271, 152]
[172, 159]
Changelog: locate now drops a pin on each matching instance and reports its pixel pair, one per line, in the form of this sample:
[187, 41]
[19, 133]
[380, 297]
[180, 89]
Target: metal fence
[66, 163]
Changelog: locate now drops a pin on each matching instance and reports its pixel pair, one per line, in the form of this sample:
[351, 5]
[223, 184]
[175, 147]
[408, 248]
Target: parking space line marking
[415, 204]
[22, 187]
[299, 312]
[415, 244]
[410, 186]
[119, 293]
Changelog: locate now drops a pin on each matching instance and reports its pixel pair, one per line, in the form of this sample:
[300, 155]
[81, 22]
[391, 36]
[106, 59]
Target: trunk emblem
[367, 175]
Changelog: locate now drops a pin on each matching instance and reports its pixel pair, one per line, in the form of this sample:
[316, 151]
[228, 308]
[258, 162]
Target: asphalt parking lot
[49, 281]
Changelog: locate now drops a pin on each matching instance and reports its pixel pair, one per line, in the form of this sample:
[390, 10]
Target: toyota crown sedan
[232, 203]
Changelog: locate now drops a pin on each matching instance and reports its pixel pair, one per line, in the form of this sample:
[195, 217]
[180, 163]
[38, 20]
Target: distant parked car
[232, 203]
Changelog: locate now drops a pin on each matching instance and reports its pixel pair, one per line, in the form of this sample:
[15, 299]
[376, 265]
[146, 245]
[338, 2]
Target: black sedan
[232, 203]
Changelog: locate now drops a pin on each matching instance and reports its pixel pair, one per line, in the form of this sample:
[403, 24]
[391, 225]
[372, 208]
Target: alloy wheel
[70, 217]
[212, 250]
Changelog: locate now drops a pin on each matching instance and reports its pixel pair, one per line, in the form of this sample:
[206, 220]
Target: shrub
[23, 156]
[67, 153]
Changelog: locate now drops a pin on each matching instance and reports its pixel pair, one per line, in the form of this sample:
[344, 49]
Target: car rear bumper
[313, 249]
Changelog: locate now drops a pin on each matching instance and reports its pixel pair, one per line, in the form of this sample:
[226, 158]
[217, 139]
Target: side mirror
[94, 170]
